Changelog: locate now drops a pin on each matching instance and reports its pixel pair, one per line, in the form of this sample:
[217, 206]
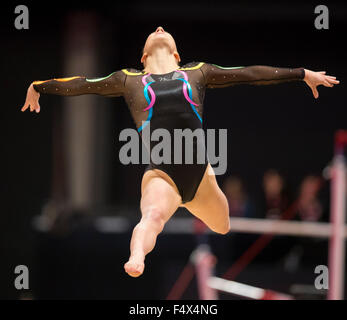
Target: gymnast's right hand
[32, 100]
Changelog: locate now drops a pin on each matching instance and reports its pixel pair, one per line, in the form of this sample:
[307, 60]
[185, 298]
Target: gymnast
[167, 95]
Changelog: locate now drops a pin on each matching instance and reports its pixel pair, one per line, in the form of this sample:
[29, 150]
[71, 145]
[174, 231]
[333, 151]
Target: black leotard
[172, 101]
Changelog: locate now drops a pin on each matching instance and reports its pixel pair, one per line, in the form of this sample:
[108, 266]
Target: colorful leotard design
[172, 101]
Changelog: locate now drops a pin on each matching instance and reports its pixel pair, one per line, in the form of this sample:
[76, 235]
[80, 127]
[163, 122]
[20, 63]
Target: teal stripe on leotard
[150, 111]
[190, 96]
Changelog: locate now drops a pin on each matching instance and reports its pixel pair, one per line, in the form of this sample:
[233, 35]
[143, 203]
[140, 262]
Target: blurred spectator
[309, 207]
[240, 204]
[275, 195]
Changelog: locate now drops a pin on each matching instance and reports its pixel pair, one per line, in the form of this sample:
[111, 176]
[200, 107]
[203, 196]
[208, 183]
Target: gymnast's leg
[210, 204]
[159, 201]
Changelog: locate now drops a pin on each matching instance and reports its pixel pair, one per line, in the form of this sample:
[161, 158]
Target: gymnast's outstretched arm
[218, 77]
[110, 86]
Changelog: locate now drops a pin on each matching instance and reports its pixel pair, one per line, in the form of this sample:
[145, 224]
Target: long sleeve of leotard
[111, 86]
[218, 77]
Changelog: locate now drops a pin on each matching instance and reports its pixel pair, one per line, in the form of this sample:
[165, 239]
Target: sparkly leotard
[171, 101]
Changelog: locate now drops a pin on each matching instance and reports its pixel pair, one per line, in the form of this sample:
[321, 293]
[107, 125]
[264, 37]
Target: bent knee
[223, 228]
[155, 217]
[224, 219]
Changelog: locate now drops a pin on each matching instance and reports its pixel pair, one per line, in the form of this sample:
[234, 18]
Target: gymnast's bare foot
[135, 266]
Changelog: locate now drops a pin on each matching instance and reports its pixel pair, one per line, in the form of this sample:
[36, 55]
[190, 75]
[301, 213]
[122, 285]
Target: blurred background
[69, 205]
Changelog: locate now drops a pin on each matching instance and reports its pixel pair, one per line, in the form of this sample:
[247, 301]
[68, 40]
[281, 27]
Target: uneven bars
[204, 262]
[281, 227]
[244, 290]
[252, 225]
[337, 218]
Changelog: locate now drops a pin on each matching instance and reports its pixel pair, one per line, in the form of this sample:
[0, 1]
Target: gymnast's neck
[160, 61]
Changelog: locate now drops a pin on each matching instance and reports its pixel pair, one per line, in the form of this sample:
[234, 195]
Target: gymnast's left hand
[314, 79]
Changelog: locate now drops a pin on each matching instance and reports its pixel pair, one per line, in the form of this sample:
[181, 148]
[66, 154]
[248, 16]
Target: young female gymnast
[166, 95]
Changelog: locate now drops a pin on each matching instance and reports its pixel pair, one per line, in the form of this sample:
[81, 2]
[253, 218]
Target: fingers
[333, 81]
[328, 84]
[330, 81]
[322, 72]
[26, 105]
[32, 100]
[33, 107]
[37, 108]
